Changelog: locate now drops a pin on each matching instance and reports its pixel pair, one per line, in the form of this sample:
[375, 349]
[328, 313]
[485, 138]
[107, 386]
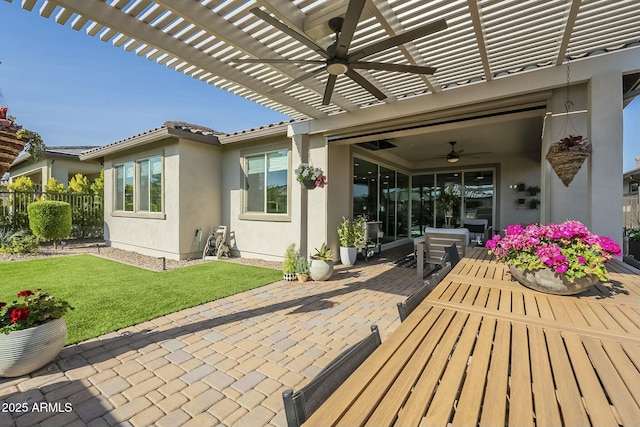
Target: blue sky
[76, 90]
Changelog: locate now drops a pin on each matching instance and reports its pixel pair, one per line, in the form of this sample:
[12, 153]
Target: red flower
[19, 314]
[25, 293]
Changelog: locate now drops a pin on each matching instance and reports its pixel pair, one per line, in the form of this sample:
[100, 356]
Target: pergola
[484, 40]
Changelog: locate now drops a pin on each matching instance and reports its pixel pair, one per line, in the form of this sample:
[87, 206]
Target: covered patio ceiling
[483, 40]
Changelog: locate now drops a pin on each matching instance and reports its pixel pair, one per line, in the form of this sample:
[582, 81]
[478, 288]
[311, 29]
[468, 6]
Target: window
[124, 187]
[138, 185]
[266, 183]
[150, 184]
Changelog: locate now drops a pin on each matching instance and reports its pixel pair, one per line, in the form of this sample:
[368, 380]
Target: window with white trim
[138, 185]
[266, 182]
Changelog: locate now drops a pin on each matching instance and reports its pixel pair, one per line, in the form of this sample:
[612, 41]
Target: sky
[74, 89]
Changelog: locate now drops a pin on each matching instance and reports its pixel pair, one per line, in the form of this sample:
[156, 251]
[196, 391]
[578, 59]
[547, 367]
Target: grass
[108, 296]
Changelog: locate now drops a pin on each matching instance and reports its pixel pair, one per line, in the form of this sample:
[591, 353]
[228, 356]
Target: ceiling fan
[338, 60]
[454, 155]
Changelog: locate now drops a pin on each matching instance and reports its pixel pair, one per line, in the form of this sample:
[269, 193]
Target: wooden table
[482, 349]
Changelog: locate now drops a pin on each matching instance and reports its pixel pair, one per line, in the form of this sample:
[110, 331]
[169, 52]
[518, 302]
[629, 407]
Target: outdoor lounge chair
[299, 405]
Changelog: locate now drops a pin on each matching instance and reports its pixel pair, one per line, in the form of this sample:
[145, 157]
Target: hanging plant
[14, 138]
[567, 155]
[310, 177]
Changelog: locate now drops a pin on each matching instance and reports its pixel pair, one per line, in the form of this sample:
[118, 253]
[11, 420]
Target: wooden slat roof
[485, 40]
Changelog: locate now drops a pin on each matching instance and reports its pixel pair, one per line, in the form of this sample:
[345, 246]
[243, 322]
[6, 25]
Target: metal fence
[87, 211]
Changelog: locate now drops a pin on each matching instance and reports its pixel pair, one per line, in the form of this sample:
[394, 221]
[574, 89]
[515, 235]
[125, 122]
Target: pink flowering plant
[306, 172]
[569, 249]
[30, 309]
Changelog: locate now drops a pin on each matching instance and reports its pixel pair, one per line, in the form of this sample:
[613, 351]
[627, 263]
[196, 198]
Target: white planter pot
[320, 270]
[27, 350]
[348, 255]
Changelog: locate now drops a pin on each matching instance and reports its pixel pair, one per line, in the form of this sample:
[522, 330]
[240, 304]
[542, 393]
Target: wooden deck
[484, 350]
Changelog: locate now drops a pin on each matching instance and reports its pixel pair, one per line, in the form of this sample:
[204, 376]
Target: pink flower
[561, 268]
[581, 259]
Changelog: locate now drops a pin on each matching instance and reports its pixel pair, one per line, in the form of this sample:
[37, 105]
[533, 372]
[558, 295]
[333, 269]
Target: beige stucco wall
[254, 238]
[199, 195]
[191, 201]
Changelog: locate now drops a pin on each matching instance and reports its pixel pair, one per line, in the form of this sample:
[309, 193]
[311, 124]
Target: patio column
[605, 180]
[301, 144]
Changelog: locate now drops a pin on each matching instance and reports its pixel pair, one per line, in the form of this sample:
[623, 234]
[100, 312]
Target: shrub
[21, 245]
[290, 257]
[50, 220]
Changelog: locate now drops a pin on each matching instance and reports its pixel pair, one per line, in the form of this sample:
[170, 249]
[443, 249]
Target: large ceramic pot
[320, 270]
[26, 350]
[548, 281]
[348, 255]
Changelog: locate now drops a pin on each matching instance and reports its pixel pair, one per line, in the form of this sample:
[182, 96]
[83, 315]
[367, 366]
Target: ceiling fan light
[337, 68]
[452, 159]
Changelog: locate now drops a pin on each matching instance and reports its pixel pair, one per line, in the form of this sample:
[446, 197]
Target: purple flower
[581, 260]
[561, 268]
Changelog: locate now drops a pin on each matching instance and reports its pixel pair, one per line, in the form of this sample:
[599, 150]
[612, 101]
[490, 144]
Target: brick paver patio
[222, 363]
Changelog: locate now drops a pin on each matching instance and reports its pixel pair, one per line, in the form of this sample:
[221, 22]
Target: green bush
[21, 245]
[50, 220]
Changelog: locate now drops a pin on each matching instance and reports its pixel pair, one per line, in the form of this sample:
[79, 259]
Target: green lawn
[108, 296]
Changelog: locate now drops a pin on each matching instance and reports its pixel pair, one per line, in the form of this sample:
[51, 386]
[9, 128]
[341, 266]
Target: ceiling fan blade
[291, 32]
[354, 10]
[410, 35]
[365, 84]
[328, 91]
[275, 61]
[296, 81]
[401, 68]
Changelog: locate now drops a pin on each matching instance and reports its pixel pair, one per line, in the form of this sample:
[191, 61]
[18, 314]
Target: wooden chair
[299, 405]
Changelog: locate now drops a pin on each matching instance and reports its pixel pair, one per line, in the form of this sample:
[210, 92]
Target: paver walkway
[221, 363]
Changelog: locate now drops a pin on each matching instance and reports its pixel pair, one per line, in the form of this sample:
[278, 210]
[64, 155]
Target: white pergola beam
[130, 27]
[570, 21]
[478, 28]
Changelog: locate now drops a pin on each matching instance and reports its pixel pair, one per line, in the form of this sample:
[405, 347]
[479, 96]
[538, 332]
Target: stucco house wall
[258, 236]
[191, 173]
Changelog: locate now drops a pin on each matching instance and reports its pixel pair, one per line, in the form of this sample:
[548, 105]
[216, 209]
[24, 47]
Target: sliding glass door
[381, 194]
[471, 192]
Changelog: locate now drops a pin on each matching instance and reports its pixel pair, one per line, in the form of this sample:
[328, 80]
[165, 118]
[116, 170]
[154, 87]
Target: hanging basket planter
[567, 156]
[10, 146]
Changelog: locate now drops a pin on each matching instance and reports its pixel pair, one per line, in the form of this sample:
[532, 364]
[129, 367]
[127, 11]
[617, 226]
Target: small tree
[79, 184]
[53, 186]
[22, 183]
[50, 220]
[97, 186]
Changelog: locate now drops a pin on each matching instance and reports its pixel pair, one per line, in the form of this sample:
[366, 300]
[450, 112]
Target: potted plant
[446, 201]
[533, 203]
[310, 177]
[321, 264]
[351, 235]
[289, 263]
[567, 156]
[32, 332]
[563, 259]
[533, 190]
[302, 268]
[14, 138]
